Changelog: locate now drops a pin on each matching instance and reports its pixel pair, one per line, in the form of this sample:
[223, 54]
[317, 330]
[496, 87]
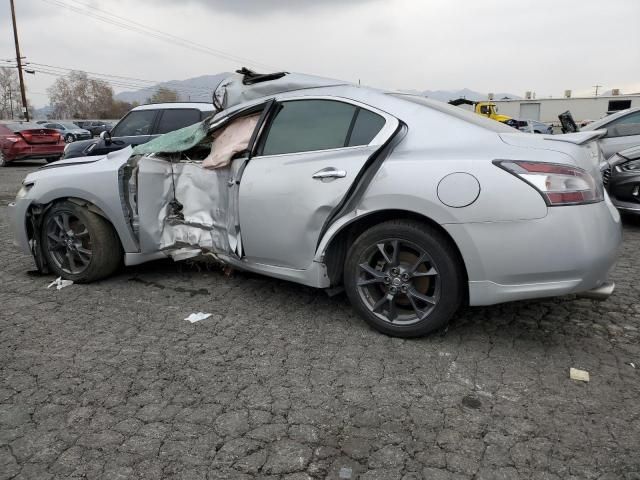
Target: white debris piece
[60, 283]
[196, 317]
[576, 374]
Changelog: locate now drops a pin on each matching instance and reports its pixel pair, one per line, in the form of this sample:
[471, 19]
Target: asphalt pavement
[108, 381]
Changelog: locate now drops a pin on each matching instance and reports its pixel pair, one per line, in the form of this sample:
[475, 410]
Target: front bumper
[17, 212]
[571, 250]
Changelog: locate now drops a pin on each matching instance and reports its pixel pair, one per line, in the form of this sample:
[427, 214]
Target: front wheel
[69, 138]
[404, 278]
[3, 161]
[78, 244]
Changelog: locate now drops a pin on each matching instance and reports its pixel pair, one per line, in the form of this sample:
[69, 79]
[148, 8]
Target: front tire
[78, 244]
[70, 138]
[404, 278]
[3, 161]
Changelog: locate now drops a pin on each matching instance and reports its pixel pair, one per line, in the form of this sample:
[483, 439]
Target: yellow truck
[487, 109]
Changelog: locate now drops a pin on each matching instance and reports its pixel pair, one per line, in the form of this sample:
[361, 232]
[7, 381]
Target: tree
[10, 102]
[162, 95]
[78, 96]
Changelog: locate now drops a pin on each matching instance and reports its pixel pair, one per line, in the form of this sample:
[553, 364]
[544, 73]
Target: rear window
[457, 112]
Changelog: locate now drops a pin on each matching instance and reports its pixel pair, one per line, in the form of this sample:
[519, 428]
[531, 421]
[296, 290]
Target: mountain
[446, 95]
[201, 88]
[197, 89]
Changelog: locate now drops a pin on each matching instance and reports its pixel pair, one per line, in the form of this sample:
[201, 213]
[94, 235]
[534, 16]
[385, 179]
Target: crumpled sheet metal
[176, 141]
[230, 140]
[232, 91]
[204, 195]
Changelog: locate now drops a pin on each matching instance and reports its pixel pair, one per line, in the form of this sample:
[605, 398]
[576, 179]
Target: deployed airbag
[232, 139]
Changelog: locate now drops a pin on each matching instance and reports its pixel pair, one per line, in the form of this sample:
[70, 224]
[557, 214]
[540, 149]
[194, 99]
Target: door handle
[329, 172]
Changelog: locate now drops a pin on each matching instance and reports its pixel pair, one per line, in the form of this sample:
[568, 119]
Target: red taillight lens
[558, 184]
[12, 138]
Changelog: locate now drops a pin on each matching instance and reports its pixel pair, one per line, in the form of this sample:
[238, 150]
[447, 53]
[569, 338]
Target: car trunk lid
[40, 136]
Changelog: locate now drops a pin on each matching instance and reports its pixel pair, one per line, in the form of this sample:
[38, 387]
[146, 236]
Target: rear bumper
[571, 250]
[35, 152]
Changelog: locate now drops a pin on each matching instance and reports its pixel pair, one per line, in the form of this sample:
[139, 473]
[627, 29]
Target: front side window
[309, 125]
[176, 119]
[135, 123]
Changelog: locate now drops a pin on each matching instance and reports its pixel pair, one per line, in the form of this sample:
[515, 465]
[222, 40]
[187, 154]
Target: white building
[582, 108]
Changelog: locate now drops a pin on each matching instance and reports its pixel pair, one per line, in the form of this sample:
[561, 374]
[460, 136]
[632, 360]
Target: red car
[23, 140]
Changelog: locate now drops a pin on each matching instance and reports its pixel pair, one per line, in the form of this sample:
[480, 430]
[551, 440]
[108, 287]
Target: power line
[107, 17]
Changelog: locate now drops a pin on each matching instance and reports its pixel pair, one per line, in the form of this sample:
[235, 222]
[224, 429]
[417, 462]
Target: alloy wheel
[398, 281]
[68, 242]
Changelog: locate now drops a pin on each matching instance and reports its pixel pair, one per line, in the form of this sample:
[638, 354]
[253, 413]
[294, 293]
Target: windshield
[457, 112]
[69, 125]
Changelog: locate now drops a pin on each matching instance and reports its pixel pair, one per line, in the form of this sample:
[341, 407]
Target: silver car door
[298, 176]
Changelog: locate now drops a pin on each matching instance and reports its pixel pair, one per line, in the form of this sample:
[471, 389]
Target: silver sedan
[414, 207]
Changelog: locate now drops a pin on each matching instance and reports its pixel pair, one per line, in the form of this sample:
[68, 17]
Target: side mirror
[106, 137]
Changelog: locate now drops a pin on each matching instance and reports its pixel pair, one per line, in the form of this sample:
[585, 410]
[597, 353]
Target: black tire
[90, 233]
[52, 159]
[438, 278]
[70, 138]
[3, 161]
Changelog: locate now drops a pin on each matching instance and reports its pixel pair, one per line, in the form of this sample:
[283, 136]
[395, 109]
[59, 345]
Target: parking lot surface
[283, 382]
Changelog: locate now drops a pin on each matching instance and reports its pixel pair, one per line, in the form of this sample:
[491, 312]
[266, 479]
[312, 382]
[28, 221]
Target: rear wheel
[404, 278]
[52, 159]
[3, 162]
[78, 244]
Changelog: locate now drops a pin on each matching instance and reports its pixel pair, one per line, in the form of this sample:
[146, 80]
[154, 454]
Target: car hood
[113, 160]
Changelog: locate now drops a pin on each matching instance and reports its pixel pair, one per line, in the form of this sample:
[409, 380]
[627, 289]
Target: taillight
[12, 138]
[558, 184]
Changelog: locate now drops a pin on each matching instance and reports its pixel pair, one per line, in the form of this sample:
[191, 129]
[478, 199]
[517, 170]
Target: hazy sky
[487, 45]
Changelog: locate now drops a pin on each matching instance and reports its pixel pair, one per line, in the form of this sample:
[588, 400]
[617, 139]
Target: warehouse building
[582, 108]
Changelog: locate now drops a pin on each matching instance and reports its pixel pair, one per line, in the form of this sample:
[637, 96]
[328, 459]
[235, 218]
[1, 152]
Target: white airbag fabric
[232, 139]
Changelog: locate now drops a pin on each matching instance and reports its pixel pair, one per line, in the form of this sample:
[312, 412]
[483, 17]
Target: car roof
[609, 118]
[202, 106]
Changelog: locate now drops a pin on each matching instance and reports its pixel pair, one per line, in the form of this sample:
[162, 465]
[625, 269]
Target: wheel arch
[37, 210]
[335, 252]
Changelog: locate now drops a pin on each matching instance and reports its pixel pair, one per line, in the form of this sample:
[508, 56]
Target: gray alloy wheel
[399, 281]
[70, 138]
[79, 244]
[3, 162]
[69, 242]
[404, 278]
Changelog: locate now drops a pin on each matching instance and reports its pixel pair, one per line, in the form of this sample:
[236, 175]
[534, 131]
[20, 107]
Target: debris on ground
[345, 473]
[196, 317]
[632, 365]
[580, 375]
[59, 283]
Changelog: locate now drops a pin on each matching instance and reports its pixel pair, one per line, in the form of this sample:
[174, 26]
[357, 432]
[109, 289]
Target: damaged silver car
[413, 206]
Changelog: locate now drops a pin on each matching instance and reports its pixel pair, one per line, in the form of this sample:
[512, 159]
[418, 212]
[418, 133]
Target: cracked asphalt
[107, 381]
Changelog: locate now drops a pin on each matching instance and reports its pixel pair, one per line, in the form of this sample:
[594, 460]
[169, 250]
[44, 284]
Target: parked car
[140, 125]
[534, 126]
[95, 127]
[26, 140]
[621, 177]
[623, 131]
[69, 131]
[329, 184]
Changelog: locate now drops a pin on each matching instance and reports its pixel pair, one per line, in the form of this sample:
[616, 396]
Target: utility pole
[19, 60]
[595, 86]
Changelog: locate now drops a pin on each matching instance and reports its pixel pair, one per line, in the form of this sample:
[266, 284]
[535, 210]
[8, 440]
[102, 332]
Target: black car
[140, 125]
[621, 177]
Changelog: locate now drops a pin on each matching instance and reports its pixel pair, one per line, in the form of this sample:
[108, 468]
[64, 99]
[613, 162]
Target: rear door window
[139, 122]
[175, 119]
